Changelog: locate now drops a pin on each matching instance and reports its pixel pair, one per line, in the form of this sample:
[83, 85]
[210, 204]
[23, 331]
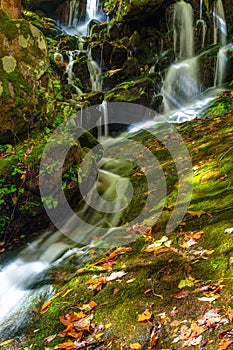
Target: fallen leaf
[135, 346]
[196, 213]
[68, 345]
[8, 341]
[209, 299]
[185, 283]
[224, 344]
[153, 337]
[115, 291]
[50, 338]
[45, 306]
[87, 307]
[180, 295]
[225, 331]
[115, 275]
[70, 318]
[67, 292]
[145, 316]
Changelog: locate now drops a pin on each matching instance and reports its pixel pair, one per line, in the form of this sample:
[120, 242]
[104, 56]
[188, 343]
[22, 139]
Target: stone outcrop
[24, 82]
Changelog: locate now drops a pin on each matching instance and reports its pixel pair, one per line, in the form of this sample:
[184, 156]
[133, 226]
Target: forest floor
[164, 290]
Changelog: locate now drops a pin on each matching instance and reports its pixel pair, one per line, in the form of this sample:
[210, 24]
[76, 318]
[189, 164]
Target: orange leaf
[180, 295]
[68, 345]
[224, 344]
[70, 318]
[145, 316]
[45, 306]
[87, 307]
[224, 331]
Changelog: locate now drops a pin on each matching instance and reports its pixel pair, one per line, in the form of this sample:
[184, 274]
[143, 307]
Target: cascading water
[220, 26]
[183, 30]
[70, 73]
[182, 83]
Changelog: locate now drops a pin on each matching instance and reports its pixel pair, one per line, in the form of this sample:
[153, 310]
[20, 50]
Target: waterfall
[181, 80]
[103, 121]
[183, 29]
[221, 64]
[92, 9]
[180, 84]
[74, 13]
[70, 73]
[220, 27]
[95, 73]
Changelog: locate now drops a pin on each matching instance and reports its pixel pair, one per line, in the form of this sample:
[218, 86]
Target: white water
[220, 26]
[74, 13]
[182, 82]
[183, 29]
[70, 73]
[222, 59]
[92, 9]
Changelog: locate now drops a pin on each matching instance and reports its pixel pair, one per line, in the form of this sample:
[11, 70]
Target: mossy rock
[23, 91]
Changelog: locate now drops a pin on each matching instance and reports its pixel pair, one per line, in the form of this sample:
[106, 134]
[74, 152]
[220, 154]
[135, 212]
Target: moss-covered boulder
[24, 88]
[140, 91]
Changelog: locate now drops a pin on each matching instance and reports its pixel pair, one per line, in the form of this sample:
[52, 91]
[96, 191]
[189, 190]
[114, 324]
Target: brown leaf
[84, 323]
[70, 318]
[180, 295]
[153, 337]
[224, 332]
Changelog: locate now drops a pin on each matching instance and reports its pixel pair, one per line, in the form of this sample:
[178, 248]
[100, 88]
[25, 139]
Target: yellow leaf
[45, 306]
[145, 316]
[196, 213]
[135, 346]
[7, 342]
[67, 292]
[99, 335]
[108, 325]
[185, 283]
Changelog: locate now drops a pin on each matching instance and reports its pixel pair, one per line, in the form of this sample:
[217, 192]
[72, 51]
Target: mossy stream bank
[176, 293]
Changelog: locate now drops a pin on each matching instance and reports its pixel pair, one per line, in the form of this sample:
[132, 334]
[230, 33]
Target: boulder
[25, 87]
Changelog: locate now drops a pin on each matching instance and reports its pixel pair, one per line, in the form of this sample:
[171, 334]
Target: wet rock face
[24, 88]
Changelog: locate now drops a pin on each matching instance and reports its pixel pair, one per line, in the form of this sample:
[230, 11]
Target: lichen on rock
[9, 63]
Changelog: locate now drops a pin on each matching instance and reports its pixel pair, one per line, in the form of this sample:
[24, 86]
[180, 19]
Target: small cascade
[183, 30]
[201, 26]
[95, 74]
[102, 124]
[92, 9]
[221, 64]
[220, 26]
[70, 73]
[74, 13]
[180, 84]
[220, 38]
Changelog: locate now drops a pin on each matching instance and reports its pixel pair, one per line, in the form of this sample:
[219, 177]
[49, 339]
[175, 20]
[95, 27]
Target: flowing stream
[24, 279]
